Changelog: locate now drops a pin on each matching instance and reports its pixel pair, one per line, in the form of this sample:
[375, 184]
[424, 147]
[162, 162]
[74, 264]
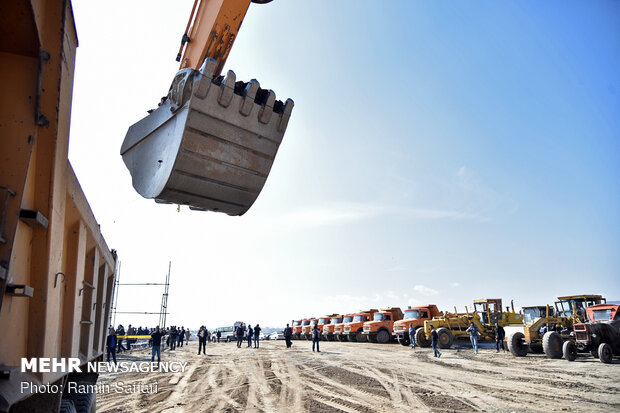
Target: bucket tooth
[227, 89]
[264, 115]
[210, 144]
[249, 96]
[286, 115]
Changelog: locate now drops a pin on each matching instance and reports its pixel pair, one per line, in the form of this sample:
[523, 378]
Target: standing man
[257, 330]
[173, 337]
[181, 336]
[131, 331]
[188, 334]
[219, 335]
[316, 337]
[412, 336]
[240, 332]
[434, 341]
[473, 336]
[156, 342]
[250, 332]
[111, 344]
[202, 340]
[120, 331]
[500, 334]
[288, 333]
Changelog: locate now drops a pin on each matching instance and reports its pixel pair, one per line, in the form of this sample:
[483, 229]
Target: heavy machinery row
[575, 324]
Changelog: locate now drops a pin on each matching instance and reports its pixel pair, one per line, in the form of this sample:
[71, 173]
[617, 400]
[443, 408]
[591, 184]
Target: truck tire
[552, 345]
[445, 337]
[383, 337]
[516, 346]
[420, 338]
[82, 401]
[359, 337]
[604, 353]
[67, 406]
[402, 340]
[569, 349]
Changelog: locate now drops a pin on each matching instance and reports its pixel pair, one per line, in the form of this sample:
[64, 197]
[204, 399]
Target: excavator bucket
[210, 144]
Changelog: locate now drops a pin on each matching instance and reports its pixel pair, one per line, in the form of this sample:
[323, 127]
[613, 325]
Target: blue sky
[438, 152]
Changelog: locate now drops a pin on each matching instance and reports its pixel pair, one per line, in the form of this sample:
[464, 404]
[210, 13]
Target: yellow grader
[546, 328]
[452, 326]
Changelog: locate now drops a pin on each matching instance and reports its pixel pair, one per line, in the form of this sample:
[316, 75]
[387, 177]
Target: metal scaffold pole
[164, 299]
[115, 293]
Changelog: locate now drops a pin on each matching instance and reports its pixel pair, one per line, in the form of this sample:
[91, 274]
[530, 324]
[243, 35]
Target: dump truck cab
[381, 328]
[546, 328]
[600, 336]
[306, 329]
[414, 316]
[297, 329]
[339, 328]
[328, 328]
[324, 321]
[354, 329]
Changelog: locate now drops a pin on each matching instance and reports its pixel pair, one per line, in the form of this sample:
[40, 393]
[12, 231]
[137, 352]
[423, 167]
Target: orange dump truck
[381, 328]
[306, 328]
[297, 332]
[354, 330]
[296, 328]
[415, 316]
[322, 322]
[57, 274]
[339, 327]
[328, 327]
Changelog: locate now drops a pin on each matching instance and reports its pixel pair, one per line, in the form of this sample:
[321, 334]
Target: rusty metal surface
[210, 144]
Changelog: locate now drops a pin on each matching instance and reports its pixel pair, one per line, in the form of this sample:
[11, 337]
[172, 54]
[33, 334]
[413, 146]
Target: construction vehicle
[306, 329]
[295, 329]
[354, 330]
[415, 316]
[299, 332]
[381, 328]
[328, 328]
[56, 272]
[487, 312]
[323, 322]
[600, 336]
[546, 328]
[339, 328]
[212, 140]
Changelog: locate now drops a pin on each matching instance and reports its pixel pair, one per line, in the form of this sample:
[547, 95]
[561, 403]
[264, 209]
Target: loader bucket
[210, 144]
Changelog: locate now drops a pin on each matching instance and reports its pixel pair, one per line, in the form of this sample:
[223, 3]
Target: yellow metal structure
[487, 312]
[56, 271]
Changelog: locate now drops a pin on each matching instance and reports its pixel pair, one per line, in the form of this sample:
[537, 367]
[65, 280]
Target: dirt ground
[364, 377]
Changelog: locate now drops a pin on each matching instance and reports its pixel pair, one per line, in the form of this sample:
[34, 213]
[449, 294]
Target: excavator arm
[212, 141]
[211, 31]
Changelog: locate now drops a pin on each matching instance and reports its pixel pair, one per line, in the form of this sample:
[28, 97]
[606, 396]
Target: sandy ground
[364, 377]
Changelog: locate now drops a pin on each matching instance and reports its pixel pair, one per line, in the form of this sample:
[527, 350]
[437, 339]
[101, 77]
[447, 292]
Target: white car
[276, 335]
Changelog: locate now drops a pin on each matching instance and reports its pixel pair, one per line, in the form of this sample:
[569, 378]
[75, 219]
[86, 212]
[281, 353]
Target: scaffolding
[163, 310]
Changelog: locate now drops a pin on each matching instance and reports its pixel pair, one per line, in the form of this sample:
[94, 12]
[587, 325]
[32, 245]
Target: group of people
[241, 332]
[474, 335]
[176, 336]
